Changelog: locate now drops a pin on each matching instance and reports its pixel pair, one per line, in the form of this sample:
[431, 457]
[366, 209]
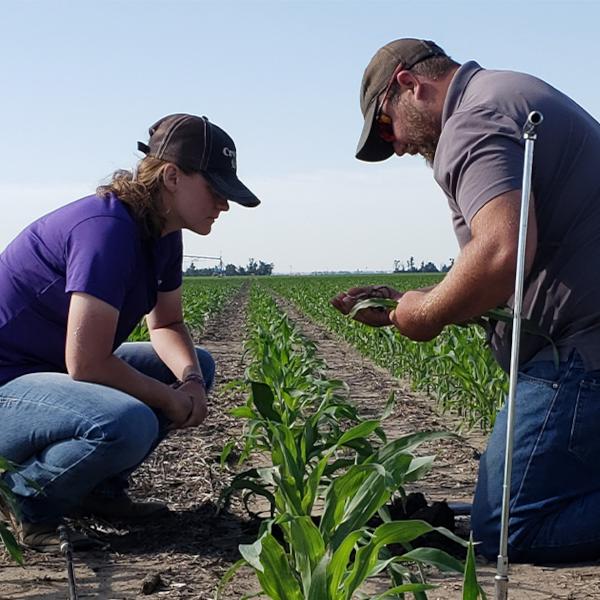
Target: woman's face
[194, 204]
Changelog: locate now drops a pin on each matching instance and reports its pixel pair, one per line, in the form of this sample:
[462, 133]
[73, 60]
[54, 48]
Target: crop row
[456, 368]
[329, 479]
[203, 297]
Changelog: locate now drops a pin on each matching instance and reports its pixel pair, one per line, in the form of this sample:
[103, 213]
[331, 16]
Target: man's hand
[411, 318]
[375, 317]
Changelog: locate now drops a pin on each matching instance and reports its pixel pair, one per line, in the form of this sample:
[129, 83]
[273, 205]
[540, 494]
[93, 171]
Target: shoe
[44, 537]
[122, 507]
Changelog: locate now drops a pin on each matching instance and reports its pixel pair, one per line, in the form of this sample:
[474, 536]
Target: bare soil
[184, 554]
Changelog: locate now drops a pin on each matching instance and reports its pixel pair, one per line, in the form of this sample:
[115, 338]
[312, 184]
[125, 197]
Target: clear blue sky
[82, 81]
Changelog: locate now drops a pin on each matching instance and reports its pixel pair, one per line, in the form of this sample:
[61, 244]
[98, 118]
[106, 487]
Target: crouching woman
[80, 408]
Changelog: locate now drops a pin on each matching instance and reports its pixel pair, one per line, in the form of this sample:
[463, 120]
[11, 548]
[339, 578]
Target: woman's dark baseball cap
[406, 51]
[196, 144]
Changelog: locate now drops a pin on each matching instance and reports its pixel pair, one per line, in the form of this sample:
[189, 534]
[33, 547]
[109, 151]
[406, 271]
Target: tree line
[426, 267]
[252, 268]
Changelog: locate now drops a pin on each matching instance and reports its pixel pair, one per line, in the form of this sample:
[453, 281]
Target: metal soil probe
[529, 135]
[67, 551]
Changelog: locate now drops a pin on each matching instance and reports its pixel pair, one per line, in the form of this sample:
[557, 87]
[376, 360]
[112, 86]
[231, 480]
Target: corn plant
[322, 451]
[332, 559]
[456, 368]
[8, 512]
[202, 298]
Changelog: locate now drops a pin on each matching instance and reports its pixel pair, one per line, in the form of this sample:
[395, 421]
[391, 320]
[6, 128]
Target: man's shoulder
[469, 128]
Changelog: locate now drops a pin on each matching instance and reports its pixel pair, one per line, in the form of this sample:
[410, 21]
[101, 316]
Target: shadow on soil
[200, 531]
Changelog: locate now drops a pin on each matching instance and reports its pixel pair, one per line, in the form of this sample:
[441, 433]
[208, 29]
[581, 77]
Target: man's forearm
[481, 279]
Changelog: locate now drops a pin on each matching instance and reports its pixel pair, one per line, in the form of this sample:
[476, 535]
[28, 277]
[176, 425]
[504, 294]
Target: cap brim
[230, 187]
[371, 147]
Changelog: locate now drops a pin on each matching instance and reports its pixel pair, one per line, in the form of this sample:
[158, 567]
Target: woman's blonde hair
[141, 191]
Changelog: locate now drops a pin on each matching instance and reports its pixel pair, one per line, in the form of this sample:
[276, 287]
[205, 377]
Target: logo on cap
[229, 153]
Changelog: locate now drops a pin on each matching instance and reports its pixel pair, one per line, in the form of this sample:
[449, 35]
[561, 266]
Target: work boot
[121, 507]
[43, 537]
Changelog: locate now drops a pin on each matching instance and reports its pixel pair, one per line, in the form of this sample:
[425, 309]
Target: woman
[79, 408]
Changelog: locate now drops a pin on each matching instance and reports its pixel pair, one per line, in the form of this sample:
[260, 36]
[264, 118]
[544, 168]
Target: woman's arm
[91, 328]
[170, 337]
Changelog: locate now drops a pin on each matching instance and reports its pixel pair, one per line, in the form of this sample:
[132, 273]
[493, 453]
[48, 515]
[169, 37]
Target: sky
[83, 80]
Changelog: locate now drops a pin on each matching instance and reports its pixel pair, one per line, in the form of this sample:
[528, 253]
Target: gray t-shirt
[480, 156]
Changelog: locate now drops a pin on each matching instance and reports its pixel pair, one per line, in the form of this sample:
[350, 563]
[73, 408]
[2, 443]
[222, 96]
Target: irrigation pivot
[529, 135]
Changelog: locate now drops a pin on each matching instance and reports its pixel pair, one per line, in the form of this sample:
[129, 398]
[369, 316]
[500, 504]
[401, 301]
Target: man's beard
[423, 130]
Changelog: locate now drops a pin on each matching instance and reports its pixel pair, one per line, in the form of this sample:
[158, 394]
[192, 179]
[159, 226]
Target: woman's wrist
[197, 377]
[194, 377]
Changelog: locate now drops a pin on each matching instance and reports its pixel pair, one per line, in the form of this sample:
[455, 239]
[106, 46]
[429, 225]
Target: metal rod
[529, 134]
[67, 551]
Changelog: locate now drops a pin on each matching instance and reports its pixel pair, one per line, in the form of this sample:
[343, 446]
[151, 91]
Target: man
[467, 123]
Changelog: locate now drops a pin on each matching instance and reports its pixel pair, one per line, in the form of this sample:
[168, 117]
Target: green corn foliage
[8, 513]
[203, 297]
[456, 368]
[321, 450]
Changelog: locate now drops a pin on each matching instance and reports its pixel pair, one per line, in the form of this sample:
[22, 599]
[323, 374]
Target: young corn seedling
[9, 512]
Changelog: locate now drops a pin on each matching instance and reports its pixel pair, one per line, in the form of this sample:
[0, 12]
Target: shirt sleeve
[480, 156]
[100, 258]
[171, 275]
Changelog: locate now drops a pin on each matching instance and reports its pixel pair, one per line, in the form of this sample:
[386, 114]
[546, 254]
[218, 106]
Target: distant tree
[264, 268]
[429, 268]
[252, 268]
[191, 271]
[446, 267]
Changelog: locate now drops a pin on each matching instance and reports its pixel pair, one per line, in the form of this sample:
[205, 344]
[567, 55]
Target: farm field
[449, 384]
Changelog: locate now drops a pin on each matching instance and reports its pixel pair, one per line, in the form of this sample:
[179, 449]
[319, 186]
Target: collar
[457, 88]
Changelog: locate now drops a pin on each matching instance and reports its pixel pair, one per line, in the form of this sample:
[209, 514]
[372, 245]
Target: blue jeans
[555, 486]
[71, 437]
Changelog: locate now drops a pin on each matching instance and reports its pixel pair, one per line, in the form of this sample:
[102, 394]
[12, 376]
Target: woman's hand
[197, 392]
[187, 405]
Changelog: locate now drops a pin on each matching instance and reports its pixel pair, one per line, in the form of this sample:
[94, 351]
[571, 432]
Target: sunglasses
[385, 127]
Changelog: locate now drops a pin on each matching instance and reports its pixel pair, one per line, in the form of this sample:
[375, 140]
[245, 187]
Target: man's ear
[411, 82]
[406, 80]
[170, 177]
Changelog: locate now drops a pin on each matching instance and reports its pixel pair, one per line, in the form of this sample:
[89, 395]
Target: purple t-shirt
[94, 246]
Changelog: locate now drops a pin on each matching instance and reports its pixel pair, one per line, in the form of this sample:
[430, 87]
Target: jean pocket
[584, 440]
[542, 373]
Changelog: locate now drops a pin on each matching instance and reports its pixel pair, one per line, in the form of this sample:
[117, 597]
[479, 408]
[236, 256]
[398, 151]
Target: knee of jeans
[132, 433]
[207, 364]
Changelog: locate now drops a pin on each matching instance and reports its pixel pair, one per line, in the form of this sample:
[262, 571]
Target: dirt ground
[184, 554]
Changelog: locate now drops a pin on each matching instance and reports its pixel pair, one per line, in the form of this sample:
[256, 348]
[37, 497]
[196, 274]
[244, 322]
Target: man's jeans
[70, 436]
[555, 486]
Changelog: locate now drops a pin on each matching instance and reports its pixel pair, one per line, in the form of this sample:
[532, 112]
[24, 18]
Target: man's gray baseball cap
[406, 51]
[196, 144]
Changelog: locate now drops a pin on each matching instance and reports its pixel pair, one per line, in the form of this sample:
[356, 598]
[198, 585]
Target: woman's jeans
[555, 486]
[70, 437]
